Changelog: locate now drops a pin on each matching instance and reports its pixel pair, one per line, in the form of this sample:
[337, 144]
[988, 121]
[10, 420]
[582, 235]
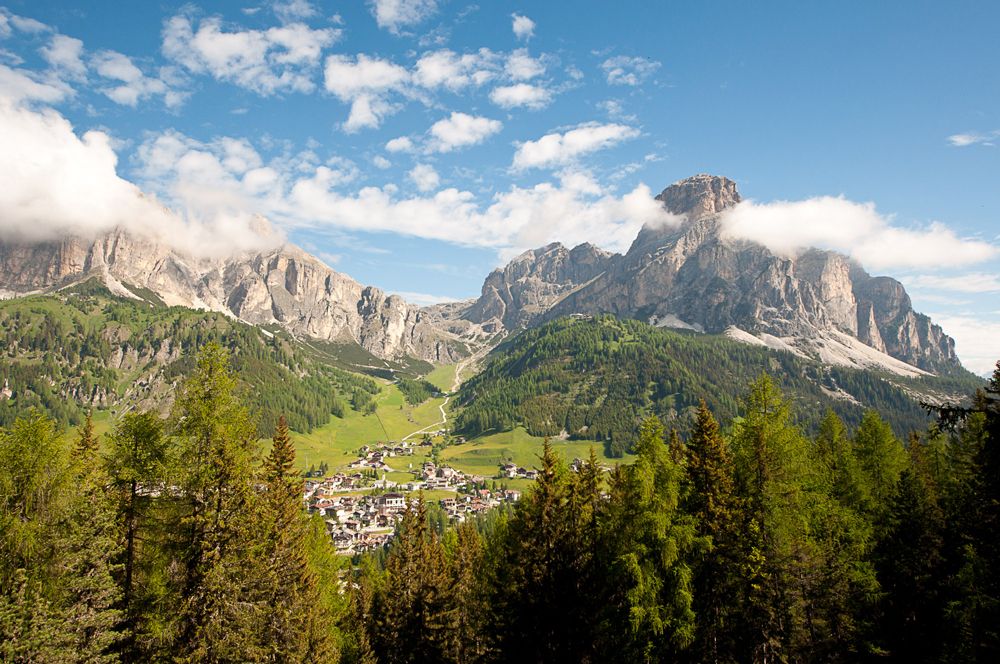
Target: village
[361, 507]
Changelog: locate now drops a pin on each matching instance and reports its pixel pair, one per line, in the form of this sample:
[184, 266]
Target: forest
[85, 348]
[741, 540]
[594, 379]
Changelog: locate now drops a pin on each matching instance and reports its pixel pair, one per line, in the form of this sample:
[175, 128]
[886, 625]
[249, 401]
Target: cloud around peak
[855, 229]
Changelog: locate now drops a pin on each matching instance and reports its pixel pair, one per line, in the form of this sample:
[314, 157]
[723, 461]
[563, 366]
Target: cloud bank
[58, 184]
[855, 229]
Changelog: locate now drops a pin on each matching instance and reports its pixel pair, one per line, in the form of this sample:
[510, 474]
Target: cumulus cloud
[279, 59]
[524, 27]
[557, 149]
[855, 229]
[57, 183]
[625, 70]
[521, 94]
[425, 177]
[461, 130]
[130, 85]
[65, 55]
[521, 66]
[400, 144]
[364, 82]
[445, 68]
[381, 162]
[974, 138]
[17, 85]
[394, 15]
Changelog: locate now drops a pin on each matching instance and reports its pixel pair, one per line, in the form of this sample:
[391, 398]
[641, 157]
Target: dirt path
[479, 354]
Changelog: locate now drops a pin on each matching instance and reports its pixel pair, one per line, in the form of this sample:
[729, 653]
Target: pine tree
[651, 552]
[87, 441]
[90, 551]
[881, 457]
[299, 625]
[771, 463]
[137, 464]
[418, 616]
[222, 612]
[712, 501]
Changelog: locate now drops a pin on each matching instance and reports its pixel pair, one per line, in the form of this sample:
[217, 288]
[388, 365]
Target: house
[392, 500]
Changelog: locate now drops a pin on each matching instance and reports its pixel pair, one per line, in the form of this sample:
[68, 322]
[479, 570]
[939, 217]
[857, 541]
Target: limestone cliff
[818, 303]
[284, 286]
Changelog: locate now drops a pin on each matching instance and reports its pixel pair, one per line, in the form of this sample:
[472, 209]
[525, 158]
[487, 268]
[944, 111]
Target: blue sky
[415, 145]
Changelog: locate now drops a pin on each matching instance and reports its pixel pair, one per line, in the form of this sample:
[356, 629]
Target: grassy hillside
[595, 379]
[86, 349]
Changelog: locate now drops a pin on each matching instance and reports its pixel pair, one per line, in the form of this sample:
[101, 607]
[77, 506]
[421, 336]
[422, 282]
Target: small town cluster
[361, 510]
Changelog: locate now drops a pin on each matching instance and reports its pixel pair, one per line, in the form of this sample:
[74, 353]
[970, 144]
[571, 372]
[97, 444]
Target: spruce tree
[651, 552]
[299, 625]
[417, 619]
[770, 459]
[222, 611]
[712, 501]
[137, 465]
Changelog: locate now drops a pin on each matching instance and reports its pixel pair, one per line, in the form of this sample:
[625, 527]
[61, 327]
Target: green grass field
[337, 441]
[482, 455]
[442, 377]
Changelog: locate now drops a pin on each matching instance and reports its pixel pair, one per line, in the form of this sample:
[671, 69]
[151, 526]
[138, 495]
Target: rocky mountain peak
[700, 196]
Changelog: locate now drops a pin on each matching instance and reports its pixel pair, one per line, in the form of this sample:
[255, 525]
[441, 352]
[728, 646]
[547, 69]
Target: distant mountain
[284, 286]
[820, 304]
[597, 378]
[85, 348]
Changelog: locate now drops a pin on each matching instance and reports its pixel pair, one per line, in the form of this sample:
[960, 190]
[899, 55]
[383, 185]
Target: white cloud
[461, 130]
[625, 70]
[521, 94]
[65, 54]
[393, 15]
[57, 184]
[289, 11]
[558, 149]
[278, 59]
[381, 162]
[425, 177]
[445, 68]
[17, 85]
[522, 67]
[524, 27]
[977, 341]
[130, 84]
[974, 138]
[975, 282]
[400, 144]
[855, 229]
[364, 82]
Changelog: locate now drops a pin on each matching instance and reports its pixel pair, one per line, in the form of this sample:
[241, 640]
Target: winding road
[454, 388]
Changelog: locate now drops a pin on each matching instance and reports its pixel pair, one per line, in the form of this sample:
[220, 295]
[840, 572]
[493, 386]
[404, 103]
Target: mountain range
[818, 304]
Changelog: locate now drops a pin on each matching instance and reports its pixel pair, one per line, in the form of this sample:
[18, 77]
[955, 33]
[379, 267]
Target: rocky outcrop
[284, 286]
[695, 276]
[532, 283]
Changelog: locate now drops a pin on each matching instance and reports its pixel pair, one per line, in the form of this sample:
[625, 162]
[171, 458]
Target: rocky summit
[690, 274]
[819, 303]
[284, 286]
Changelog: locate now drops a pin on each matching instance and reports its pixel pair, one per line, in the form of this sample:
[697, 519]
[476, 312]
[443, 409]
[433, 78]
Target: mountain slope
[695, 276]
[597, 378]
[284, 286]
[85, 348]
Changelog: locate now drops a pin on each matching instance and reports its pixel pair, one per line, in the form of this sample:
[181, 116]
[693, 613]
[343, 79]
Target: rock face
[284, 286]
[512, 298]
[694, 276]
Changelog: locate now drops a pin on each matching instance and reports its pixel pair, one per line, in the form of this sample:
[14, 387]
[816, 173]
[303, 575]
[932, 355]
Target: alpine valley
[117, 317]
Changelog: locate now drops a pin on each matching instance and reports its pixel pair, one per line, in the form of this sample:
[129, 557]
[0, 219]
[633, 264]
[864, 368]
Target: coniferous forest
[741, 540]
